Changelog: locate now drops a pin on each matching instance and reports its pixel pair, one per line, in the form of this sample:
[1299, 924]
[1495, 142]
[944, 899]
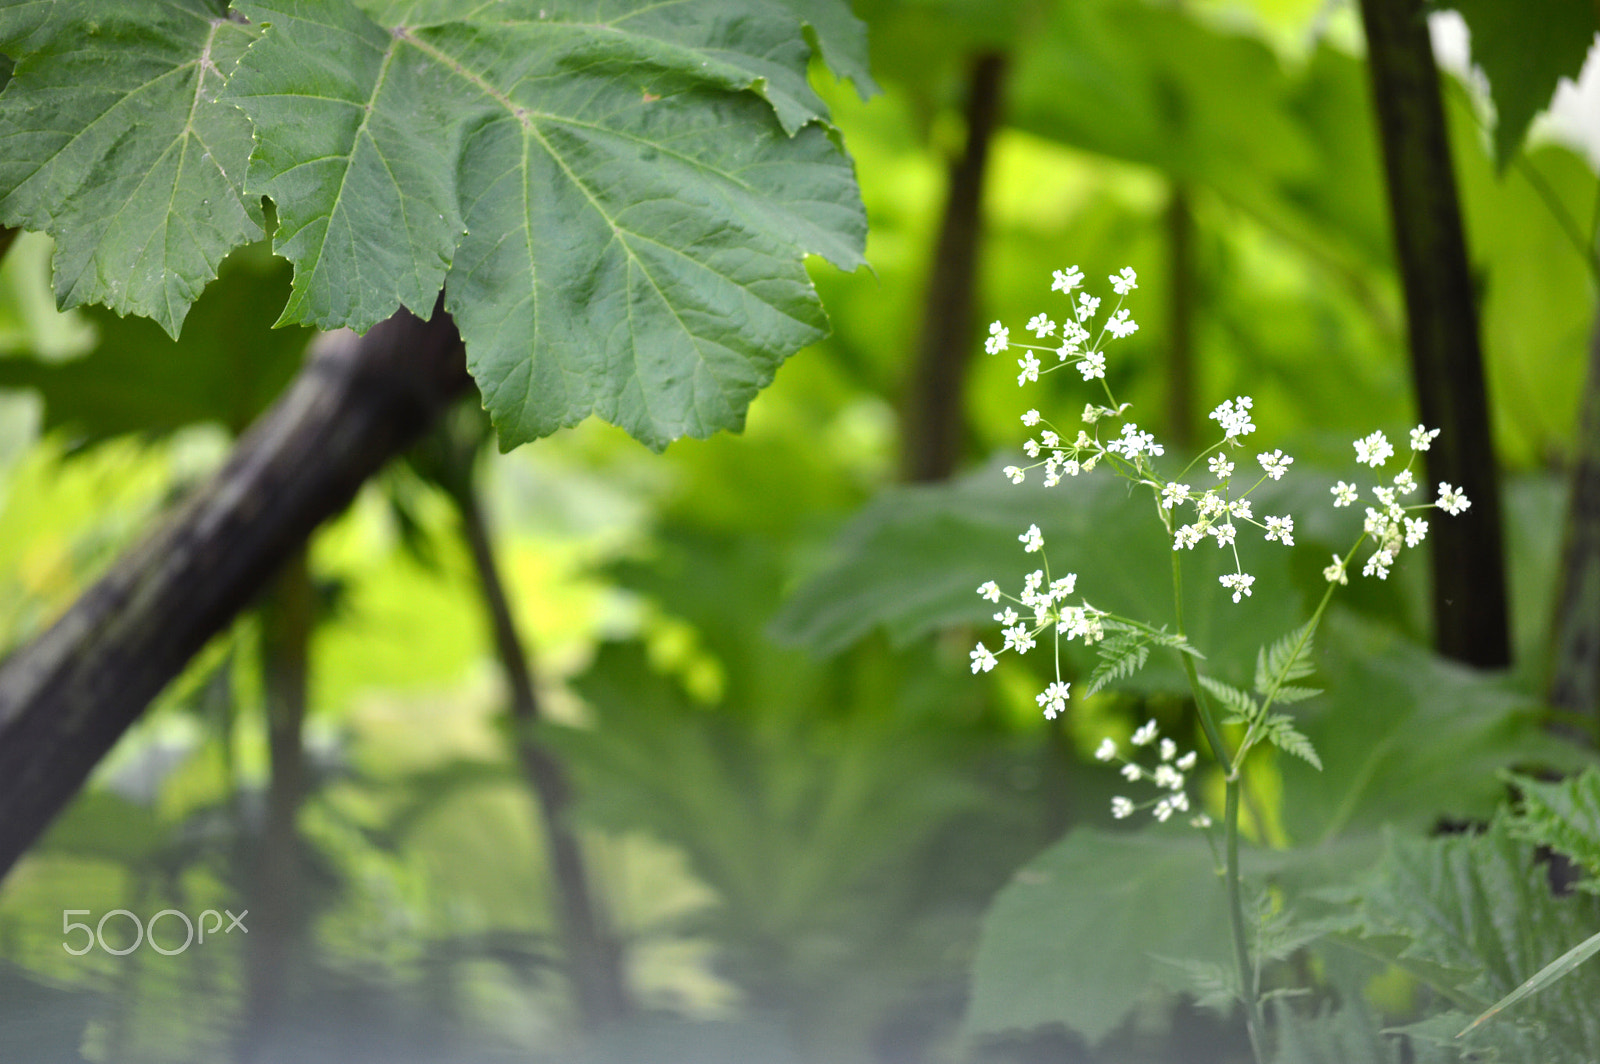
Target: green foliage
[1524, 50]
[568, 175]
[1565, 816]
[1076, 935]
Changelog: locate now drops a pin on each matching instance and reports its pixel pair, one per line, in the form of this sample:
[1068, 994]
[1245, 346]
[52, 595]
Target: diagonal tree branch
[66, 697]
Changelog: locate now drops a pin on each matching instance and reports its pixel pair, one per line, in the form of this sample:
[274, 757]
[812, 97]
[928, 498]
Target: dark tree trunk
[933, 429]
[1575, 631]
[287, 612]
[66, 697]
[1469, 586]
[593, 959]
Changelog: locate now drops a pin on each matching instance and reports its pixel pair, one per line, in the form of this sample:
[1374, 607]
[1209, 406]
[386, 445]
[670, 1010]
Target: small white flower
[1105, 751]
[1374, 450]
[999, 338]
[1173, 493]
[1031, 418]
[1121, 808]
[1092, 366]
[1049, 439]
[1281, 529]
[1015, 473]
[1239, 583]
[1220, 467]
[1007, 617]
[1163, 810]
[1066, 280]
[1416, 531]
[1405, 482]
[1169, 749]
[1240, 508]
[1335, 572]
[1061, 588]
[1132, 773]
[1187, 536]
[1032, 539]
[1041, 326]
[1180, 802]
[1120, 325]
[1124, 280]
[982, 659]
[1378, 564]
[1073, 336]
[1200, 821]
[1031, 448]
[1452, 501]
[1053, 699]
[1422, 437]
[1087, 305]
[1018, 639]
[1234, 417]
[1344, 494]
[1276, 464]
[1145, 735]
[1167, 778]
[1224, 533]
[1186, 762]
[1030, 369]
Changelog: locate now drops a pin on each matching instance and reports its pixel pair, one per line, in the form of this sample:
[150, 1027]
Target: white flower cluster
[1044, 605]
[1389, 522]
[1079, 347]
[1168, 775]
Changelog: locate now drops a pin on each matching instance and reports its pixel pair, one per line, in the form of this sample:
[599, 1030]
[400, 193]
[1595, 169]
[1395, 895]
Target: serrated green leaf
[112, 140]
[1524, 50]
[1563, 815]
[1231, 697]
[1289, 658]
[1289, 694]
[1280, 732]
[1119, 659]
[616, 196]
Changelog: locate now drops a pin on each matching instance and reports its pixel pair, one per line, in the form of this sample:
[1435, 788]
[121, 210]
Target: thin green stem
[1241, 948]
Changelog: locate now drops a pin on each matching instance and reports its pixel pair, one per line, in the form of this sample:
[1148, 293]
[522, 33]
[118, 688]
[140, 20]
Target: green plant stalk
[1241, 948]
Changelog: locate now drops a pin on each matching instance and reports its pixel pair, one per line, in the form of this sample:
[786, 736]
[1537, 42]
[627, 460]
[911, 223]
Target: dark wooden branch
[1469, 585]
[933, 429]
[66, 697]
[593, 959]
[1575, 629]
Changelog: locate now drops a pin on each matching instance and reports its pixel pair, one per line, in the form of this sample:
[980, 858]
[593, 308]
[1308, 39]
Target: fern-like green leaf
[1231, 697]
[1289, 693]
[1121, 656]
[1280, 731]
[1287, 659]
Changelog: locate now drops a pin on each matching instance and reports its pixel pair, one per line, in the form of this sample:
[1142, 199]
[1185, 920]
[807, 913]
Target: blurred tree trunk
[1183, 283]
[933, 414]
[1575, 630]
[68, 695]
[288, 613]
[1469, 585]
[594, 960]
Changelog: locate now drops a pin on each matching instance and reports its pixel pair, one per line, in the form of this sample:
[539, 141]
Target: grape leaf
[1524, 50]
[112, 141]
[616, 195]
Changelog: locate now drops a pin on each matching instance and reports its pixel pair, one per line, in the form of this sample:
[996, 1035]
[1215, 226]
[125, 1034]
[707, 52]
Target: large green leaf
[619, 224]
[1524, 50]
[1565, 816]
[1079, 935]
[1482, 904]
[1407, 737]
[112, 140]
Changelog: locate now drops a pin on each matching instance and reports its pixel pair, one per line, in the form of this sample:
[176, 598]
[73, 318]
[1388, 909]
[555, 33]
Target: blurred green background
[795, 802]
